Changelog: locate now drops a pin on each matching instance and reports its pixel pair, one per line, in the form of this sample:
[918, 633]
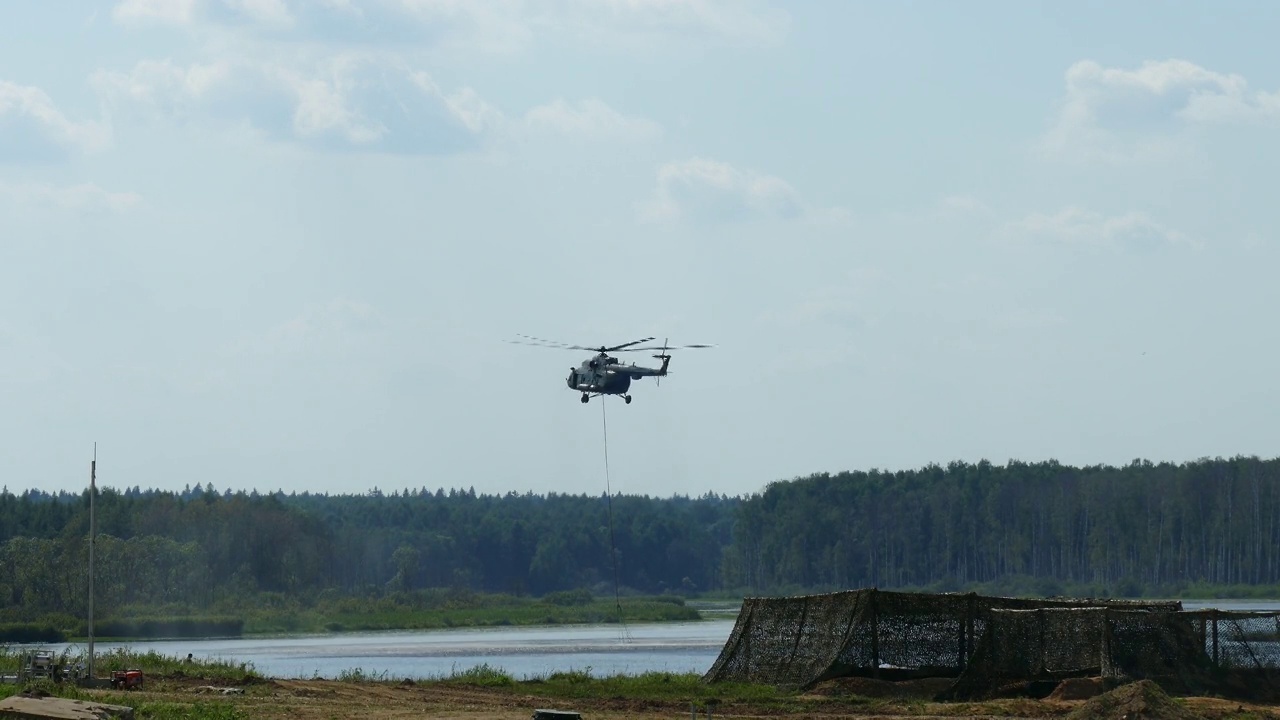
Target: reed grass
[646, 686]
[582, 685]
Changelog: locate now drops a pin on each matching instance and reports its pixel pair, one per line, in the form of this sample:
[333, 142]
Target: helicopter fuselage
[603, 375]
[586, 379]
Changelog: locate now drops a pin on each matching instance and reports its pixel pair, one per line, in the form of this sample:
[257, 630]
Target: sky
[276, 245]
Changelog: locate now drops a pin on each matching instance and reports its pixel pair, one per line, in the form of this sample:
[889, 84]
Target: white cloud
[346, 74]
[1117, 114]
[350, 101]
[704, 189]
[500, 26]
[164, 86]
[81, 198]
[346, 101]
[166, 12]
[267, 12]
[465, 105]
[32, 127]
[613, 22]
[589, 118]
[1076, 226]
[273, 14]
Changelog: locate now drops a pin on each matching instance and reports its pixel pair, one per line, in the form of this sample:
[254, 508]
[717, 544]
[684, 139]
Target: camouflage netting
[800, 641]
[1235, 654]
[1026, 645]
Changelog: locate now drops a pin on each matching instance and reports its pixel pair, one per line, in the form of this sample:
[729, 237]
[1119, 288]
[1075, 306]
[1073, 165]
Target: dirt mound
[1078, 689]
[920, 689]
[1141, 700]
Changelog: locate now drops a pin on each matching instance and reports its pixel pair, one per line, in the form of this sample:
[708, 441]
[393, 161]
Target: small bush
[483, 675]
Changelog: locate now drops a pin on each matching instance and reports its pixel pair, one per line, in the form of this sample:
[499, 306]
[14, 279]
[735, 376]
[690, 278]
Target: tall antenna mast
[93, 531]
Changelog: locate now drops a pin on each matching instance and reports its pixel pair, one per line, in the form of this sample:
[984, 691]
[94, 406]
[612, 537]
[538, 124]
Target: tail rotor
[662, 356]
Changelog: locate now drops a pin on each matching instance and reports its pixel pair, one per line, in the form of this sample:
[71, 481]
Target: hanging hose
[613, 551]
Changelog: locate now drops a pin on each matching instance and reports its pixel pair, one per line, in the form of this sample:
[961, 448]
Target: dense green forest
[202, 552]
[1042, 528]
[1139, 529]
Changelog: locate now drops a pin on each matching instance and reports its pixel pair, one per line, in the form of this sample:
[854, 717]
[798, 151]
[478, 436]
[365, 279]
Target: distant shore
[347, 616]
[273, 614]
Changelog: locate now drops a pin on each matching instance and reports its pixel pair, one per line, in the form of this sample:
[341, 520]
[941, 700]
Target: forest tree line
[201, 550]
[1121, 530]
[1124, 530]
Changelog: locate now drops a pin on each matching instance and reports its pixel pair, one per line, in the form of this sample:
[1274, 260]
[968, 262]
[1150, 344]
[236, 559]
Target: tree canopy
[1122, 530]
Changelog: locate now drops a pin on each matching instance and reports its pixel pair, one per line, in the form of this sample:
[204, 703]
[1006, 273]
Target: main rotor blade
[549, 342]
[624, 347]
[619, 347]
[666, 347]
[539, 342]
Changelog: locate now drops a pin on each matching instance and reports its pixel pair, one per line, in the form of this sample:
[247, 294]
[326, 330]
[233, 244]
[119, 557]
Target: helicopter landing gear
[586, 397]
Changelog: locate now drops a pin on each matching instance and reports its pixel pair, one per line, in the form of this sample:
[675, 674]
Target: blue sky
[281, 245]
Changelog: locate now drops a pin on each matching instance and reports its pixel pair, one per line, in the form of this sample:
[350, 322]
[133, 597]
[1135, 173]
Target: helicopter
[603, 374]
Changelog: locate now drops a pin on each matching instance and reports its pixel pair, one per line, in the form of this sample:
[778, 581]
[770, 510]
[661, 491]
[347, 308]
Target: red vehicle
[126, 679]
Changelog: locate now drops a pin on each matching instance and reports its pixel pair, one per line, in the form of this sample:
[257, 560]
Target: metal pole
[93, 531]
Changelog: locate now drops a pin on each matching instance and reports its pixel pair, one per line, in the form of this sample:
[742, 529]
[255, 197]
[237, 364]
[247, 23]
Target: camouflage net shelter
[800, 641]
[1229, 653]
[1023, 645]
[1233, 654]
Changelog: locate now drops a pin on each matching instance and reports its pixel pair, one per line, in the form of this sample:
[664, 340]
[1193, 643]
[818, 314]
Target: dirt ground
[328, 699]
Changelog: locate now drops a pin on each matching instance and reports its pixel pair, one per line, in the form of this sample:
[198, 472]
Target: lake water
[522, 652]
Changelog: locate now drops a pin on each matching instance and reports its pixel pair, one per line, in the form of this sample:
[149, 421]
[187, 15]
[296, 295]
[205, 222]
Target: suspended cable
[613, 549]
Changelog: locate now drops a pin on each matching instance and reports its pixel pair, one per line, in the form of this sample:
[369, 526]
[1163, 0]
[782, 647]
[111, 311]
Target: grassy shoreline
[422, 611]
[262, 614]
